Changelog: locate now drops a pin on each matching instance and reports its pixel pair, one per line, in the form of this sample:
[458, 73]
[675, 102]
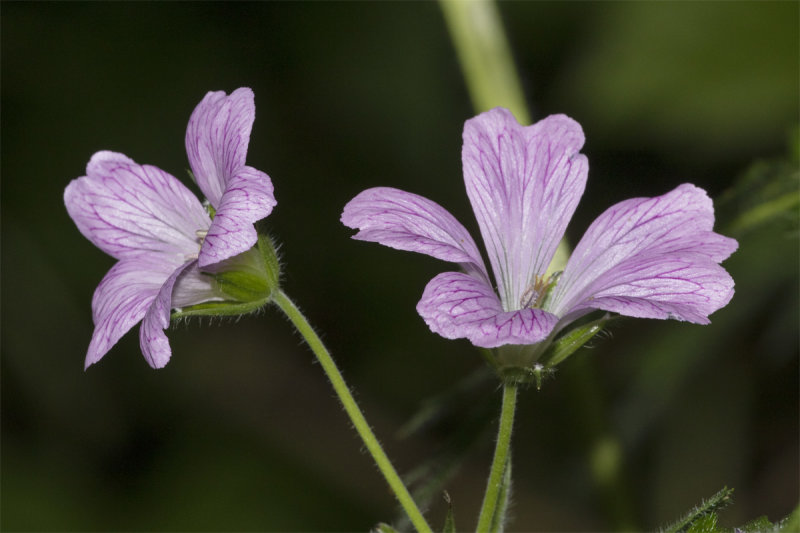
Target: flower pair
[643, 257]
[167, 243]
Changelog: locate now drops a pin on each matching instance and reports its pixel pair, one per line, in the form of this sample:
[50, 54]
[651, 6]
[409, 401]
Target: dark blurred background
[241, 431]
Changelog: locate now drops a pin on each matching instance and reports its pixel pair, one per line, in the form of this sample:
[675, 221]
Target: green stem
[495, 483]
[352, 409]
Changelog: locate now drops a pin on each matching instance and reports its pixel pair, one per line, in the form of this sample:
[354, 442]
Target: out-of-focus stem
[485, 56]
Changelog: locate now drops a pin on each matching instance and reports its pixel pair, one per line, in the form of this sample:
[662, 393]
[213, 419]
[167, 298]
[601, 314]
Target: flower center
[537, 292]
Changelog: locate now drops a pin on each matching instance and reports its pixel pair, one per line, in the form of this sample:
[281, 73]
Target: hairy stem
[495, 484]
[352, 409]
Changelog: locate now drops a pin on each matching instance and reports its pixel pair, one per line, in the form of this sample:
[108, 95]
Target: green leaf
[699, 514]
[759, 525]
[705, 524]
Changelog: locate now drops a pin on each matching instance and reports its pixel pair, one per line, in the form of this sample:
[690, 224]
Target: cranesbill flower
[644, 257]
[161, 234]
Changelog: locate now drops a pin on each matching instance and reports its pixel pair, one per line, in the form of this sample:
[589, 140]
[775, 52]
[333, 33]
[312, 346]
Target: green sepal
[449, 520]
[519, 375]
[224, 308]
[272, 265]
[533, 363]
[251, 276]
[515, 363]
[246, 283]
[572, 341]
[242, 286]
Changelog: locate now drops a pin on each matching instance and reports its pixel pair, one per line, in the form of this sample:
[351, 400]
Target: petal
[688, 287]
[650, 257]
[247, 198]
[406, 221]
[121, 300]
[127, 209]
[524, 184]
[194, 287]
[456, 305]
[217, 138]
[152, 340]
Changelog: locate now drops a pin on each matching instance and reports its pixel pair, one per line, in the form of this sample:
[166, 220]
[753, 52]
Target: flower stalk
[353, 411]
[495, 487]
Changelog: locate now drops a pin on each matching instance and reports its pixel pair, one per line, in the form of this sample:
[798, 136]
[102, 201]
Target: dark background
[241, 431]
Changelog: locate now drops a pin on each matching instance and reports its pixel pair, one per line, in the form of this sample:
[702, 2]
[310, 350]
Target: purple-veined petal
[247, 199]
[152, 339]
[650, 257]
[407, 221]
[456, 305]
[524, 184]
[126, 209]
[684, 286]
[121, 301]
[217, 138]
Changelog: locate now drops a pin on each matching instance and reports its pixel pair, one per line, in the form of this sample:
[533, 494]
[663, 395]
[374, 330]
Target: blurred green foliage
[240, 430]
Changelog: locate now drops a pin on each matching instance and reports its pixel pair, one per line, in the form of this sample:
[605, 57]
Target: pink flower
[644, 257]
[162, 236]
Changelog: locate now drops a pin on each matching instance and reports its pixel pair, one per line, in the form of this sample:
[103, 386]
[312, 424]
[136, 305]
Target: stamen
[537, 292]
[201, 235]
[529, 297]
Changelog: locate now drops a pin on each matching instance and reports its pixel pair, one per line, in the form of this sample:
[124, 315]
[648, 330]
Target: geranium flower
[159, 231]
[644, 257]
